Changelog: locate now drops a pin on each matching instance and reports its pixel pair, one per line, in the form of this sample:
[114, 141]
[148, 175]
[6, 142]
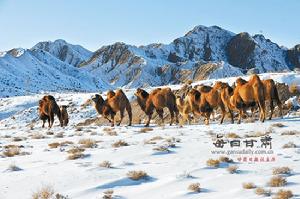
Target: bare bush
[119, 144]
[249, 185]
[137, 175]
[277, 181]
[194, 187]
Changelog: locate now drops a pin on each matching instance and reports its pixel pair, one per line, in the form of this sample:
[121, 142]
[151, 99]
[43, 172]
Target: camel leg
[43, 123]
[241, 112]
[160, 113]
[122, 116]
[271, 108]
[172, 116]
[129, 112]
[51, 120]
[223, 113]
[231, 116]
[207, 118]
[112, 120]
[262, 111]
[149, 118]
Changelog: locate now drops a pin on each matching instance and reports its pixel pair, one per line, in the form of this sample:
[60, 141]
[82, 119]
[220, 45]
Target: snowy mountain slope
[71, 54]
[36, 70]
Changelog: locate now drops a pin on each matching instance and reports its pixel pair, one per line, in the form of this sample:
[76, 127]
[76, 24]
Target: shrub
[11, 151]
[54, 145]
[225, 159]
[290, 133]
[232, 169]
[161, 149]
[74, 156]
[232, 135]
[283, 194]
[106, 164]
[13, 167]
[108, 194]
[194, 187]
[59, 135]
[282, 170]
[277, 181]
[119, 144]
[280, 125]
[137, 175]
[145, 130]
[248, 185]
[87, 143]
[289, 145]
[212, 163]
[37, 136]
[261, 191]
[76, 150]
[46, 192]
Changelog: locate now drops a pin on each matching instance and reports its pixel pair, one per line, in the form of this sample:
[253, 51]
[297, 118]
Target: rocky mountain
[204, 52]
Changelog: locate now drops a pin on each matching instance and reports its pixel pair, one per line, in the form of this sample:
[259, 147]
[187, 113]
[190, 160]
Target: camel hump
[110, 94]
[240, 81]
[254, 77]
[48, 98]
[205, 89]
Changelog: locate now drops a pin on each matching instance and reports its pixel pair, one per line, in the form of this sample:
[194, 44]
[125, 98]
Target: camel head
[97, 99]
[141, 94]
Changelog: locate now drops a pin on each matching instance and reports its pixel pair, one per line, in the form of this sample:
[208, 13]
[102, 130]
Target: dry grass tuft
[232, 169]
[13, 167]
[277, 181]
[66, 143]
[280, 125]
[249, 185]
[108, 194]
[282, 170]
[161, 149]
[145, 130]
[59, 135]
[74, 156]
[232, 135]
[49, 133]
[111, 133]
[137, 175]
[283, 194]
[88, 143]
[46, 192]
[76, 150]
[289, 145]
[37, 136]
[225, 159]
[262, 192]
[17, 139]
[107, 129]
[257, 134]
[106, 164]
[119, 144]
[11, 150]
[290, 133]
[54, 145]
[194, 187]
[213, 163]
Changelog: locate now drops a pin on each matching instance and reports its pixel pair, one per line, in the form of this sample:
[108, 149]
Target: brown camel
[64, 115]
[248, 94]
[158, 99]
[119, 102]
[271, 95]
[47, 109]
[103, 108]
[210, 99]
[226, 92]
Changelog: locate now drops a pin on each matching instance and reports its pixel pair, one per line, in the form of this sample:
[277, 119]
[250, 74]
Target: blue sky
[93, 23]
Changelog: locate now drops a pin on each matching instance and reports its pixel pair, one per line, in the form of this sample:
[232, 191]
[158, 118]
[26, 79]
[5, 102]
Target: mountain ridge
[203, 52]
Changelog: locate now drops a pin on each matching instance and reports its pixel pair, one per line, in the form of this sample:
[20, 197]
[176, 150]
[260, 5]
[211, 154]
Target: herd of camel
[201, 100]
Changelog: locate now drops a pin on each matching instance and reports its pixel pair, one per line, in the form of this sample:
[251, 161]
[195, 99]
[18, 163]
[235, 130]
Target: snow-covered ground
[169, 173]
